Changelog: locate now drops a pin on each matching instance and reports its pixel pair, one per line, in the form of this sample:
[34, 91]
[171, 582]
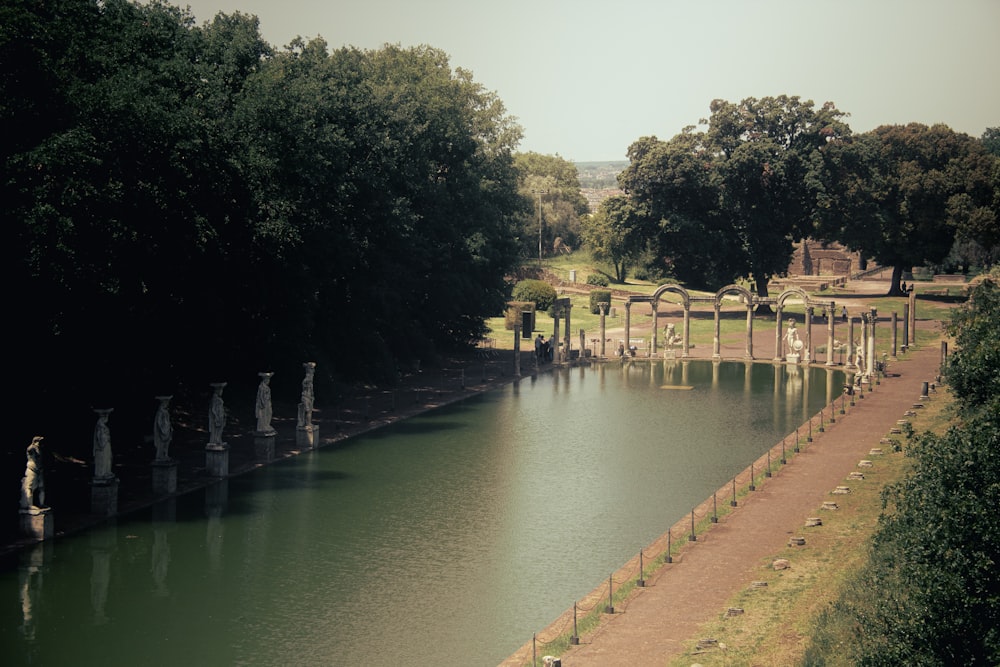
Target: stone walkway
[662, 620]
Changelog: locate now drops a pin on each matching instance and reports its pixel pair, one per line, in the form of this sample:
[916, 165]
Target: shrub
[598, 279]
[538, 291]
[596, 297]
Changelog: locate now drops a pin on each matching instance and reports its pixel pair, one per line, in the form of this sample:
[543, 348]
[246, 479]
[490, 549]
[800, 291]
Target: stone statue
[102, 445]
[792, 338]
[306, 404]
[670, 337]
[263, 409]
[163, 430]
[33, 482]
[859, 356]
[216, 414]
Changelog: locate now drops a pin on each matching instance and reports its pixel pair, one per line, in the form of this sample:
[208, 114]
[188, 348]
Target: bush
[513, 316]
[596, 297]
[538, 291]
[598, 279]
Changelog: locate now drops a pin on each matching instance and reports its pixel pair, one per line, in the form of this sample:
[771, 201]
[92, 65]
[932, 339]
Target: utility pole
[539, 193]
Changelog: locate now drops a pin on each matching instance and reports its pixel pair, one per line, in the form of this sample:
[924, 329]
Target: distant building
[595, 196]
[823, 258]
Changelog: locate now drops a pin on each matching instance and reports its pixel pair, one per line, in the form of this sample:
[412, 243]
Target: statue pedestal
[104, 496]
[37, 522]
[263, 445]
[793, 358]
[164, 477]
[307, 437]
[670, 354]
[217, 459]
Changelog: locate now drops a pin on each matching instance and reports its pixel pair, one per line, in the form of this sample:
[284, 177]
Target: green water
[447, 539]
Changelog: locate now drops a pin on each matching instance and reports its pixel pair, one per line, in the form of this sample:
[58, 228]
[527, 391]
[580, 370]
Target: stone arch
[750, 300]
[685, 296]
[792, 292]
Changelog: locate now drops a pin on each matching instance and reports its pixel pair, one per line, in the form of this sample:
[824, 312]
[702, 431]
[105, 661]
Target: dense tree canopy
[186, 202]
[550, 185]
[901, 194]
[729, 202]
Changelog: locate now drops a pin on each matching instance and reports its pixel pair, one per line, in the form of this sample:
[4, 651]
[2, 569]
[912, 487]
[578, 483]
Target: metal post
[610, 609]
[668, 558]
[574, 640]
[715, 509]
[796, 448]
[692, 537]
[640, 582]
[783, 459]
[732, 503]
[752, 487]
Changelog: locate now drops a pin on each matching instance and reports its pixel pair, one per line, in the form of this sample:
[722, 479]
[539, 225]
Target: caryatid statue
[163, 430]
[216, 414]
[306, 404]
[102, 445]
[263, 409]
[33, 482]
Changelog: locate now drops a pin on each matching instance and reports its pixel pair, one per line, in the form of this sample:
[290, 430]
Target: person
[904, 287]
[546, 350]
[538, 346]
[263, 410]
[33, 482]
[843, 314]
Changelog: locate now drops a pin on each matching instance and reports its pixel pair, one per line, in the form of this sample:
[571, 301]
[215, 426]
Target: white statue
[163, 430]
[263, 409]
[792, 338]
[102, 445]
[216, 414]
[33, 482]
[306, 404]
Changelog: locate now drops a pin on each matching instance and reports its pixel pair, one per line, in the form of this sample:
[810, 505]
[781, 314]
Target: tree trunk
[894, 288]
[763, 309]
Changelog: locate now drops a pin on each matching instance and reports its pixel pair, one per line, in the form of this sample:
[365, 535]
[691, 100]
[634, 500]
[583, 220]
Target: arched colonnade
[751, 301]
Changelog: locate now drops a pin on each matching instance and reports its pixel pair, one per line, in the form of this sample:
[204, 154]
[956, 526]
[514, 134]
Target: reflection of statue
[216, 415]
[263, 409]
[792, 338]
[306, 404]
[33, 482]
[163, 430]
[102, 445]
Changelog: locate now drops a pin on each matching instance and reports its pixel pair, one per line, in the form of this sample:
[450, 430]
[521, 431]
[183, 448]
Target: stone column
[517, 350]
[830, 317]
[870, 361]
[906, 327]
[778, 356]
[555, 336]
[652, 344]
[895, 325]
[603, 306]
[628, 324]
[809, 334]
[851, 352]
[913, 316]
[566, 335]
[716, 343]
[749, 346]
[687, 331]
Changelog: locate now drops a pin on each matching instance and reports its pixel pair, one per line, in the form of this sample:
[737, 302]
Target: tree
[611, 233]
[901, 194]
[730, 202]
[562, 203]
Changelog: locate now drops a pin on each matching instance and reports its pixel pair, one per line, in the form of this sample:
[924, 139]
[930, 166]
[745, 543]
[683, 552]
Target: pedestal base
[307, 437]
[164, 478]
[217, 459]
[263, 446]
[792, 358]
[37, 523]
[104, 496]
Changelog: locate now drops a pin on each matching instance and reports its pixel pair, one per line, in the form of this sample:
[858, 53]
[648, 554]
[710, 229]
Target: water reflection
[446, 539]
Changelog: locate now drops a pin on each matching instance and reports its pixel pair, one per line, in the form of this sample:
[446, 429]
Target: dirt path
[662, 620]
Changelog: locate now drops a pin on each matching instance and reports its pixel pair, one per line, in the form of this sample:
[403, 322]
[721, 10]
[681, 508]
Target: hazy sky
[585, 79]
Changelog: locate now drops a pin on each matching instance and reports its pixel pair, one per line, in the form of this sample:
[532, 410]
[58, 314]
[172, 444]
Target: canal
[446, 539]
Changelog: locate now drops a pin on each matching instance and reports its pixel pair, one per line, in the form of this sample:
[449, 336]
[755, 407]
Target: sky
[585, 79]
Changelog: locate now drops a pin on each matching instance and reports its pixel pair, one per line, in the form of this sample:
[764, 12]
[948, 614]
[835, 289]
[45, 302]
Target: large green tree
[612, 235]
[730, 201]
[550, 186]
[900, 194]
